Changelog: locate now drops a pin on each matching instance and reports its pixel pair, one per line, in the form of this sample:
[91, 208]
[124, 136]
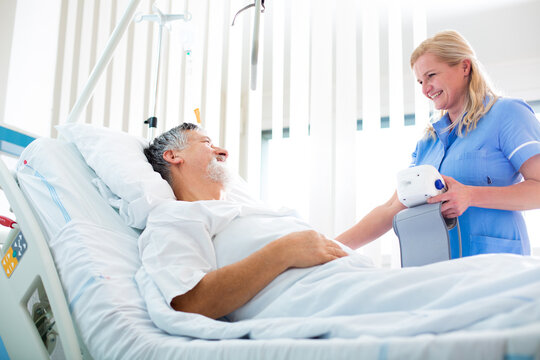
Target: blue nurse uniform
[490, 155]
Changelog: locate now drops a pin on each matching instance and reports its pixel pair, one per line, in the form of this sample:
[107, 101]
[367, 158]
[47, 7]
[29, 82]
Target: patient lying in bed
[208, 254]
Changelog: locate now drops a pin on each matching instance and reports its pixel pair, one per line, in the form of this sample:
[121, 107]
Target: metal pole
[152, 122]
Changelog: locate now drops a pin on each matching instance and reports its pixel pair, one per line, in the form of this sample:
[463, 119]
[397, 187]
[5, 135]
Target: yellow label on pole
[197, 115]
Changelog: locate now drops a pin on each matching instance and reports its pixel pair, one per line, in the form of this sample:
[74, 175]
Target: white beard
[218, 172]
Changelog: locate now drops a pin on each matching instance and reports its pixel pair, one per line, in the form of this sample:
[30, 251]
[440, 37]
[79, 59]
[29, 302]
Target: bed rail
[32, 333]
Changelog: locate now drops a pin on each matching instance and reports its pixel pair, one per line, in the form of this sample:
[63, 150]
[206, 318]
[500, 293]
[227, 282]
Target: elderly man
[210, 255]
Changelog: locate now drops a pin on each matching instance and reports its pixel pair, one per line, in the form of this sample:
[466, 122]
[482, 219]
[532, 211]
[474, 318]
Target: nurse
[486, 147]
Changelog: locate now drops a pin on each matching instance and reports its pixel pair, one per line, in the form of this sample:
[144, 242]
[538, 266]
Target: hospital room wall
[322, 67]
[7, 8]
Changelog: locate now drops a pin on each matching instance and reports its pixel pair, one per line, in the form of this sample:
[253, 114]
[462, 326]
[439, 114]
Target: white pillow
[118, 159]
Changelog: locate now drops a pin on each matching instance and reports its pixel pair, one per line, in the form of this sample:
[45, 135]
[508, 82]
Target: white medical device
[421, 229]
[416, 184]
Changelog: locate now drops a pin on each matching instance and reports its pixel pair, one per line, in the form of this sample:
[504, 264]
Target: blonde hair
[452, 48]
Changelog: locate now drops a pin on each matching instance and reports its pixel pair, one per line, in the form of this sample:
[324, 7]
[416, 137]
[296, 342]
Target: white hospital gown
[185, 240]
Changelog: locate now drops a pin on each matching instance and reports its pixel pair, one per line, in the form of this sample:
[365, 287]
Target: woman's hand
[455, 200]
[308, 248]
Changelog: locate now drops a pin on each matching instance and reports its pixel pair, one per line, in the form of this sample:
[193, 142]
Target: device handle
[7, 222]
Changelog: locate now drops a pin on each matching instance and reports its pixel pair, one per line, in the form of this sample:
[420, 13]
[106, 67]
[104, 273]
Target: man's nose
[221, 151]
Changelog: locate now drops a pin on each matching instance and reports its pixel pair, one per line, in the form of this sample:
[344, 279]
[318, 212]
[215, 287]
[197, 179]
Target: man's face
[204, 158]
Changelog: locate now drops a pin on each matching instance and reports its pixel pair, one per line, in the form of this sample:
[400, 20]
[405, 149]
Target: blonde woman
[486, 147]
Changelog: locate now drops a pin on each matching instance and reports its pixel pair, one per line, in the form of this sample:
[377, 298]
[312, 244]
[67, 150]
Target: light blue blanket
[347, 299]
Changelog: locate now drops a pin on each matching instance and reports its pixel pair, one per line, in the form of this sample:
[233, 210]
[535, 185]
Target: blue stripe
[3, 352]
[13, 142]
[383, 352]
[80, 292]
[518, 357]
[54, 194]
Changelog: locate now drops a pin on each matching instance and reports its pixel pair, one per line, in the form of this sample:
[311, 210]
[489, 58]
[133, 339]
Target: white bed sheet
[94, 253]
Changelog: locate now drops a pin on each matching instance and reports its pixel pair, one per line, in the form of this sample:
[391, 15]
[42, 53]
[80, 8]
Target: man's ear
[173, 157]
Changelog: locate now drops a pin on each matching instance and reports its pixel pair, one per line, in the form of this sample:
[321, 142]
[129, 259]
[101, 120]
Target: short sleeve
[519, 135]
[176, 253]
[414, 156]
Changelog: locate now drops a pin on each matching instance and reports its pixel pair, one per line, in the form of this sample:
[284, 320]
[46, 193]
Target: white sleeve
[176, 253]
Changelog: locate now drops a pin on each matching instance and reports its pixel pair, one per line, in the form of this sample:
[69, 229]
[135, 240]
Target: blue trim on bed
[13, 142]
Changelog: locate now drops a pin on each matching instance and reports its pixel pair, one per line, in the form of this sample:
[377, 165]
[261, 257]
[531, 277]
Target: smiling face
[445, 85]
[204, 158]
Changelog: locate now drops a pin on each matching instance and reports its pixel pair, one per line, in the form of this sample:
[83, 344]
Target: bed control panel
[12, 257]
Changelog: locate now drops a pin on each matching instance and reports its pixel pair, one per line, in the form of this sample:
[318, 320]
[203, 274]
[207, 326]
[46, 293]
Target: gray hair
[174, 139]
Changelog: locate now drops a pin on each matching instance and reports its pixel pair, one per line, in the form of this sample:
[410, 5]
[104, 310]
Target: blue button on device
[439, 184]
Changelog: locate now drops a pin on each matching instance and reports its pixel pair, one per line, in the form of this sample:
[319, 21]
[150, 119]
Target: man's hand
[308, 248]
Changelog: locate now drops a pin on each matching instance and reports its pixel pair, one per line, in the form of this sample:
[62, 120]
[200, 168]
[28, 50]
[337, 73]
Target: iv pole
[258, 4]
[162, 20]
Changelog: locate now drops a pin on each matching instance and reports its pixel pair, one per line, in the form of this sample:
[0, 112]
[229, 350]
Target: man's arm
[224, 290]
[373, 225]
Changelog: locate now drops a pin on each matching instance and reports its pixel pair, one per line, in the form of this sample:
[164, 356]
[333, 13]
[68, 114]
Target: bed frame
[35, 318]
[35, 315]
